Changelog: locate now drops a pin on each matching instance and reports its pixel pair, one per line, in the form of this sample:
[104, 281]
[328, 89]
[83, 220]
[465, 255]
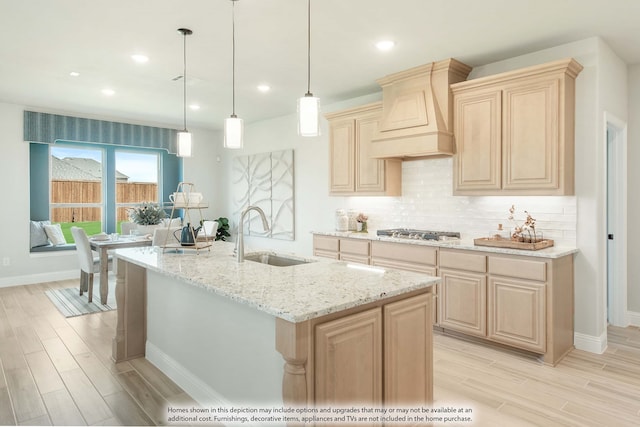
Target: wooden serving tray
[512, 244]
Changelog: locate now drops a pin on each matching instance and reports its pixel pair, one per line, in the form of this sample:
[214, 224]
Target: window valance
[48, 128]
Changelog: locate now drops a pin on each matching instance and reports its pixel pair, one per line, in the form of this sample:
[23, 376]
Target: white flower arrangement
[525, 232]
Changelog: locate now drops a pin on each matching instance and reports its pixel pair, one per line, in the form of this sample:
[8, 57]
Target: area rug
[69, 302]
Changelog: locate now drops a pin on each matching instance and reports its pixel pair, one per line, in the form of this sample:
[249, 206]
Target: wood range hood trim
[417, 111]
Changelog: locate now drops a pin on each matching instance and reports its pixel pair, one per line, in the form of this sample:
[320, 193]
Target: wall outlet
[6, 261]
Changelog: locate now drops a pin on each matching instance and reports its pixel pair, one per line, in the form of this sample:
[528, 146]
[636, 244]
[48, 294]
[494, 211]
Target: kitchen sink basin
[275, 260]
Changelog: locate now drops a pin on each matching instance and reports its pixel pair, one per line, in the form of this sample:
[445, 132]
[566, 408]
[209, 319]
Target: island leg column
[131, 327]
[293, 343]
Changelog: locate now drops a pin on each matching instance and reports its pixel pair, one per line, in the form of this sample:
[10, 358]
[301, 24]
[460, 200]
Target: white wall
[633, 200]
[27, 268]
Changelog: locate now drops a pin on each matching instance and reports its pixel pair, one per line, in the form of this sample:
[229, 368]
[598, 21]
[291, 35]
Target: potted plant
[147, 216]
[361, 222]
[223, 229]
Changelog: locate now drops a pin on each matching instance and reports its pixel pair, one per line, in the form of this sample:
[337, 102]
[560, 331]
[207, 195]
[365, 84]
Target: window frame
[170, 172]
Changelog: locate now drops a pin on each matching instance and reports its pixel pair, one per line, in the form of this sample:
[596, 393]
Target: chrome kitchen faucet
[240, 242]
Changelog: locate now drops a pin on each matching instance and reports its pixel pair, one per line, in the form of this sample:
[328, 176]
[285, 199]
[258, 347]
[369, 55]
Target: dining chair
[209, 229]
[89, 262]
[126, 227]
[164, 235]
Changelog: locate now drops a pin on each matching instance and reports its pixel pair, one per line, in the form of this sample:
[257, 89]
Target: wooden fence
[78, 192]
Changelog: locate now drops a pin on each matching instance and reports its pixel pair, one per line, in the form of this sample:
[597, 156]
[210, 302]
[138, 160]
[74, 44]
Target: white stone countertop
[466, 244]
[294, 293]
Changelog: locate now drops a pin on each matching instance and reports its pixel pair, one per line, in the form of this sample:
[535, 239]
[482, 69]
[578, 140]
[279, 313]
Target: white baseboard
[634, 318]
[31, 279]
[590, 343]
[196, 388]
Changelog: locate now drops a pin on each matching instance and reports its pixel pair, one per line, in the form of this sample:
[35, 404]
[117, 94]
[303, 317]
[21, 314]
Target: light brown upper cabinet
[352, 169]
[514, 132]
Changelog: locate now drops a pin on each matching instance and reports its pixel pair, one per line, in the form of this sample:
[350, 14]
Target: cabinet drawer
[354, 246]
[520, 268]
[463, 261]
[404, 252]
[325, 243]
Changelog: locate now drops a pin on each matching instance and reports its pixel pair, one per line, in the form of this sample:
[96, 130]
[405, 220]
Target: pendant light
[233, 128]
[309, 105]
[184, 137]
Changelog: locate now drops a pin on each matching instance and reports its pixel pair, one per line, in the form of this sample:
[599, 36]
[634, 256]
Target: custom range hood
[417, 111]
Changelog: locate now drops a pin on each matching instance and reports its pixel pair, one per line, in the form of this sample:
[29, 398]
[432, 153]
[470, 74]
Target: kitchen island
[222, 330]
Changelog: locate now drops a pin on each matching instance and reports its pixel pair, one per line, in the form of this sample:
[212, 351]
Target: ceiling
[45, 40]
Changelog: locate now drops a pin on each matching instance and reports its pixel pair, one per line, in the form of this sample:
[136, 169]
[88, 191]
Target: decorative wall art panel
[265, 180]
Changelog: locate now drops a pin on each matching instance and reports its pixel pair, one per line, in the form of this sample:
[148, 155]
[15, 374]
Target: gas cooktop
[409, 233]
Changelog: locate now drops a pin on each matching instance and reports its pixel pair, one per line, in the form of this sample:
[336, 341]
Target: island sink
[275, 260]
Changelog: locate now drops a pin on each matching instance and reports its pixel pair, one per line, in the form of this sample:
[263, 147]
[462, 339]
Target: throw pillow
[54, 233]
[38, 235]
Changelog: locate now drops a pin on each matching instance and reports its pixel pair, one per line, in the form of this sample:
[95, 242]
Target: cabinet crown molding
[569, 66]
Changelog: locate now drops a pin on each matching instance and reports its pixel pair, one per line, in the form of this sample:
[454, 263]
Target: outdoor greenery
[90, 227]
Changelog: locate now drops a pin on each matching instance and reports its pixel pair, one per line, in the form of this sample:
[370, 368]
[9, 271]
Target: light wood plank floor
[58, 371]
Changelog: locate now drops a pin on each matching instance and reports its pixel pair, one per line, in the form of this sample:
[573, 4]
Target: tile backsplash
[427, 202]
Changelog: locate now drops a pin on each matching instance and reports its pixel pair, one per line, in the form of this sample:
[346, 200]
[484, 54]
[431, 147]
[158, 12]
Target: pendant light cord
[309, 49]
[233, 58]
[184, 79]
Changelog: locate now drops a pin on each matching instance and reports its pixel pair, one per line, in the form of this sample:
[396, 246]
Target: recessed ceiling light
[108, 92]
[264, 88]
[74, 74]
[194, 107]
[140, 59]
[385, 45]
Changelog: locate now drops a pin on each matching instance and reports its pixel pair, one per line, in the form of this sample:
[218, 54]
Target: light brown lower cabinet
[354, 250]
[380, 356]
[517, 300]
[516, 313]
[326, 246]
[523, 302]
[342, 248]
[463, 302]
[349, 359]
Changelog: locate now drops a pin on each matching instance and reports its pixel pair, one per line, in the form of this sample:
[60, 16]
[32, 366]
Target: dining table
[103, 244]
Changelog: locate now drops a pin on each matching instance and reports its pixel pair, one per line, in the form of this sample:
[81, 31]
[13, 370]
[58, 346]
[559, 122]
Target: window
[93, 185]
[136, 181]
[76, 189]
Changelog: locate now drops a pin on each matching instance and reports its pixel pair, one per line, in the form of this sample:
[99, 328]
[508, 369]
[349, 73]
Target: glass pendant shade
[184, 144]
[233, 132]
[309, 115]
[184, 137]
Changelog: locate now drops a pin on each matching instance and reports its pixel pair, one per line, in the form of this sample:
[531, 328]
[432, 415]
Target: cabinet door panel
[463, 302]
[408, 364]
[348, 361]
[369, 171]
[342, 156]
[530, 136]
[516, 312]
[478, 141]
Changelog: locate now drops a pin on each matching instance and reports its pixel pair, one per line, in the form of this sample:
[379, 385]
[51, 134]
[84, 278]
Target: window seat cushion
[52, 248]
